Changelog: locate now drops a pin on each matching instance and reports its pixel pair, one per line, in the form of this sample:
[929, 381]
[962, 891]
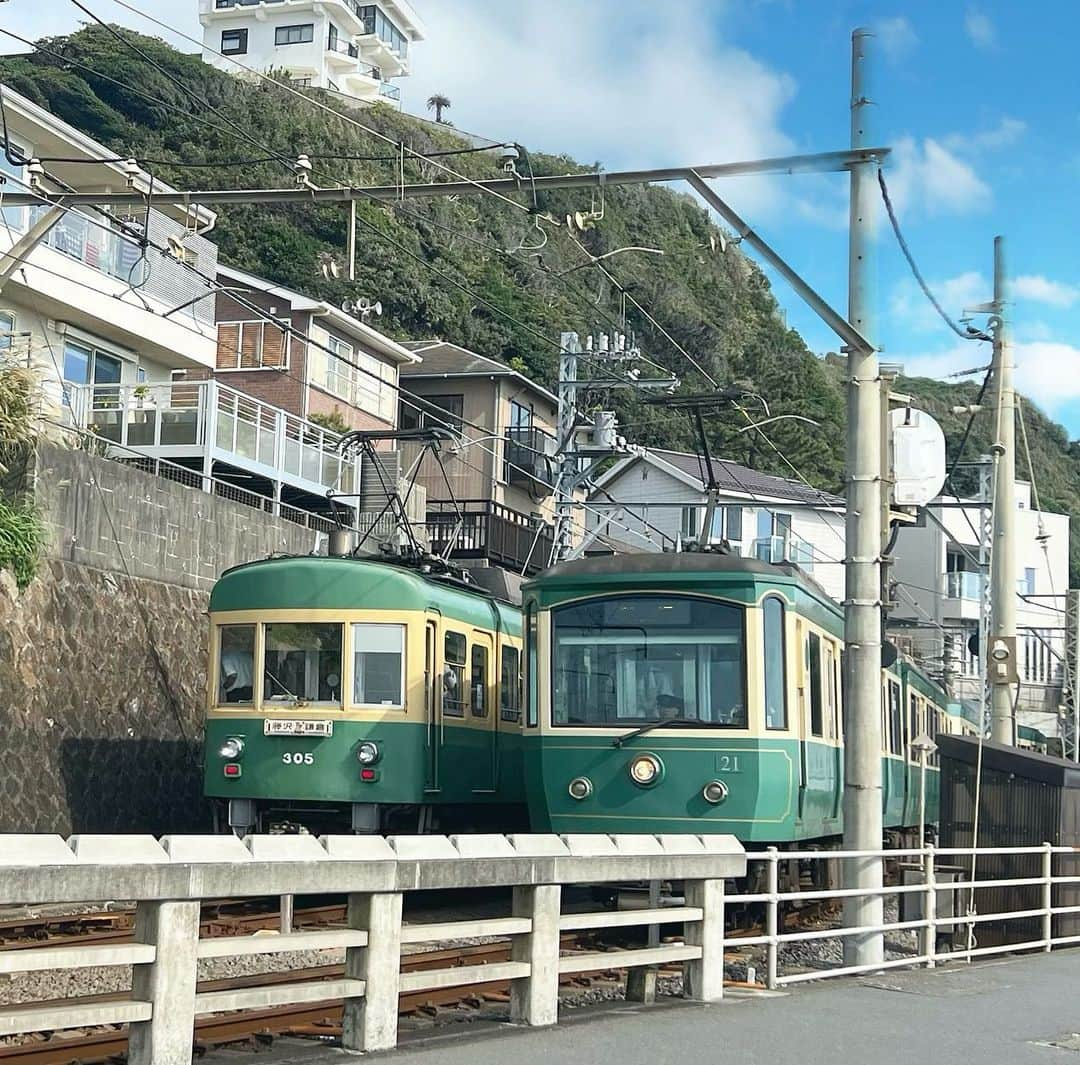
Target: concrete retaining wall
[102, 675]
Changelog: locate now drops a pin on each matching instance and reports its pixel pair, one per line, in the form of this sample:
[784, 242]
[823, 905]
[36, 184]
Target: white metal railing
[783, 549]
[965, 896]
[208, 418]
[960, 585]
[168, 880]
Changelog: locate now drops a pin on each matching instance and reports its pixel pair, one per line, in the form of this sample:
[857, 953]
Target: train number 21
[728, 763]
[289, 758]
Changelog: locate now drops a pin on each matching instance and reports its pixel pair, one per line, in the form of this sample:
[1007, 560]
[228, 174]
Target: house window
[251, 346]
[234, 42]
[295, 34]
[439, 412]
[520, 416]
[84, 364]
[7, 330]
[1027, 583]
[727, 523]
[11, 180]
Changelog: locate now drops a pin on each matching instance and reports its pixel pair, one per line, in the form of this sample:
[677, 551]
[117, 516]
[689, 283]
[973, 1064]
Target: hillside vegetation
[464, 268]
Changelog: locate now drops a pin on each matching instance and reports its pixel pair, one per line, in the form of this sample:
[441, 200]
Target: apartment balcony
[479, 529]
[784, 549]
[343, 53]
[208, 426]
[528, 460]
[963, 586]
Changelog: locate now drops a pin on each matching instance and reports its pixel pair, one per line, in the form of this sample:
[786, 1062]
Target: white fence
[168, 880]
[962, 893]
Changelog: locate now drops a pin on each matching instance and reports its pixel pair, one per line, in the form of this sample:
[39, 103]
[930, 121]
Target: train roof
[730, 575]
[319, 582]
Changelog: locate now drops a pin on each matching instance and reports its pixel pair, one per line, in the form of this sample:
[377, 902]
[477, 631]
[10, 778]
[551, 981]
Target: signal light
[369, 775]
[232, 769]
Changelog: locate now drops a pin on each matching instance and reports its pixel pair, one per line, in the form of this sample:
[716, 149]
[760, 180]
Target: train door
[802, 719]
[432, 699]
[833, 725]
[483, 713]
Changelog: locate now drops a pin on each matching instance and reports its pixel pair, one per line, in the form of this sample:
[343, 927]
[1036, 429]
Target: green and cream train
[693, 692]
[701, 692]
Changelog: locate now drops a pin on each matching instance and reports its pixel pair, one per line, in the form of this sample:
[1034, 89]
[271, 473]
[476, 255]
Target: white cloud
[980, 30]
[1047, 371]
[597, 80]
[1006, 133]
[911, 309]
[897, 36]
[1039, 289]
[927, 178]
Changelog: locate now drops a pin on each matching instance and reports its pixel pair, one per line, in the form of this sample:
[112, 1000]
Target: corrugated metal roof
[443, 359]
[737, 478]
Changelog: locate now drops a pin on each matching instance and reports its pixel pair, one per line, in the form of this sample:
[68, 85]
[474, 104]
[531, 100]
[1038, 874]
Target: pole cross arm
[831, 317]
[822, 162]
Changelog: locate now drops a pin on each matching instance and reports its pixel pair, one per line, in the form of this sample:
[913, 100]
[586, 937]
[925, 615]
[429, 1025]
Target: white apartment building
[344, 46]
[938, 589]
[652, 500]
[88, 305]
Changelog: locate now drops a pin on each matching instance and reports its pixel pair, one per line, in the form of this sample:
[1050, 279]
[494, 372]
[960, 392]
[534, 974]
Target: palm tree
[438, 103]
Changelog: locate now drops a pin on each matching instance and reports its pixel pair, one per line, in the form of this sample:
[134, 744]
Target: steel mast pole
[862, 605]
[1003, 550]
[569, 464]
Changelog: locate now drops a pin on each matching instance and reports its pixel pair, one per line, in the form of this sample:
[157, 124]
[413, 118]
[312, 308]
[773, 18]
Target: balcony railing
[961, 585]
[528, 458]
[347, 48]
[488, 530]
[211, 421]
[784, 549]
[391, 92]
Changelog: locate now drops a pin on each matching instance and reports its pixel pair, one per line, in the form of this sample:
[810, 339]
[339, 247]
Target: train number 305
[296, 758]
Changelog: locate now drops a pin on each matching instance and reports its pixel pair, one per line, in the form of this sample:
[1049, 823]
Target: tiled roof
[736, 478]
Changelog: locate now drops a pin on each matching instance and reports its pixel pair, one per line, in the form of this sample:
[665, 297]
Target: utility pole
[569, 463]
[1003, 552]
[863, 830]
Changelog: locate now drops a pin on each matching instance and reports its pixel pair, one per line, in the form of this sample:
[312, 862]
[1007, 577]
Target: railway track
[311, 1019]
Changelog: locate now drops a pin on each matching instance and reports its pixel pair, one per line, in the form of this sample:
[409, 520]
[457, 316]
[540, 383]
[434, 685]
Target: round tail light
[580, 788]
[715, 791]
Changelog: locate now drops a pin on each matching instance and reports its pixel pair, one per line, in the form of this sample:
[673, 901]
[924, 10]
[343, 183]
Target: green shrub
[21, 540]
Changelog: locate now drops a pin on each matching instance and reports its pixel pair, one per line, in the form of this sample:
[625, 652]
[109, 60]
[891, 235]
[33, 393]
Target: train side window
[532, 687]
[830, 689]
[817, 716]
[454, 659]
[478, 687]
[236, 672]
[510, 685]
[378, 657]
[913, 722]
[772, 613]
[896, 719]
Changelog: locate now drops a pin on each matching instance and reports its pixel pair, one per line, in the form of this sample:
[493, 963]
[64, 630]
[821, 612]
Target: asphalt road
[1003, 1012]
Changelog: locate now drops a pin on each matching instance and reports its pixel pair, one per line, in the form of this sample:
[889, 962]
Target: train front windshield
[632, 660]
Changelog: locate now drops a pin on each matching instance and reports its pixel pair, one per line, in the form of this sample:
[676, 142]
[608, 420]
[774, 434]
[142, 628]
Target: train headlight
[580, 788]
[232, 748]
[367, 753]
[645, 770]
[715, 791]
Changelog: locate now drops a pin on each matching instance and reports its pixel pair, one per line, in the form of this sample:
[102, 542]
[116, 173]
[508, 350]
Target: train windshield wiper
[620, 740]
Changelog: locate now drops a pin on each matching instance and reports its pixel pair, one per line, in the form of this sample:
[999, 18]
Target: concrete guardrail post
[167, 983]
[703, 978]
[370, 1021]
[534, 999]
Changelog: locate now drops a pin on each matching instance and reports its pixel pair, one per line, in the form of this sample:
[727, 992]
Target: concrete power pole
[862, 607]
[569, 463]
[1003, 550]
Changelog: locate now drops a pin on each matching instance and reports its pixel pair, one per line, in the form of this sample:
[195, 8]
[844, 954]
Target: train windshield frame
[625, 660]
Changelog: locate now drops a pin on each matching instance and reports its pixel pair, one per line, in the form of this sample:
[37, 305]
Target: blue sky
[979, 102]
